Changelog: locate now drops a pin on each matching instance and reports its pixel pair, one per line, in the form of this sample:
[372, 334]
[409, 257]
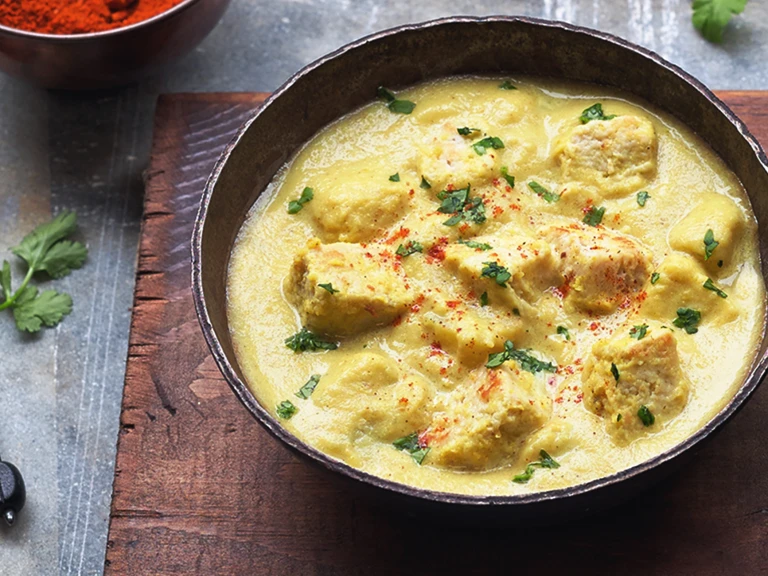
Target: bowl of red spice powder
[91, 44]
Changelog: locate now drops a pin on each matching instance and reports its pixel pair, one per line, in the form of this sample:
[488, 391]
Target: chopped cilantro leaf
[546, 462]
[329, 287]
[522, 357]
[709, 244]
[395, 105]
[425, 185]
[594, 216]
[395, 177]
[563, 331]
[710, 17]
[466, 131]
[409, 248]
[459, 203]
[709, 285]
[688, 319]
[305, 340]
[497, 272]
[594, 112]
[286, 409]
[507, 85]
[642, 197]
[515, 311]
[618, 418]
[615, 371]
[638, 332]
[484, 299]
[655, 277]
[306, 390]
[295, 205]
[482, 146]
[475, 245]
[510, 179]
[645, 415]
[543, 192]
[412, 445]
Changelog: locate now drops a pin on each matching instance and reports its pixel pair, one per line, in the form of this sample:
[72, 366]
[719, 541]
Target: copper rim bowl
[346, 79]
[112, 57]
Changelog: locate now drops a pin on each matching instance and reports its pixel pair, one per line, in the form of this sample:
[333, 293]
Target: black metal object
[415, 53]
[13, 494]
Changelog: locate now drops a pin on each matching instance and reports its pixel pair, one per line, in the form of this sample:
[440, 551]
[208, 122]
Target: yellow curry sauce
[503, 274]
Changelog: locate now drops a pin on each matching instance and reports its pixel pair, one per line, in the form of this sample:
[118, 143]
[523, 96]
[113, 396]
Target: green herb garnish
[462, 206]
[710, 17]
[615, 372]
[395, 177]
[465, 131]
[45, 249]
[642, 197]
[618, 418]
[522, 357]
[295, 205]
[425, 185]
[638, 332]
[655, 277]
[475, 245]
[594, 216]
[411, 445]
[304, 340]
[507, 85]
[395, 105]
[484, 299]
[482, 146]
[709, 244]
[497, 272]
[688, 319]
[546, 462]
[410, 247]
[510, 179]
[306, 390]
[286, 409]
[563, 331]
[709, 285]
[594, 112]
[329, 287]
[645, 415]
[543, 192]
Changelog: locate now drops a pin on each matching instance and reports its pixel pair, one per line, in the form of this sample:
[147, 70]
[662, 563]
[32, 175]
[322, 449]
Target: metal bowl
[347, 79]
[110, 58]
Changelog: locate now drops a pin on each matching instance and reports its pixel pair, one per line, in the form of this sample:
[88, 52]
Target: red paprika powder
[78, 16]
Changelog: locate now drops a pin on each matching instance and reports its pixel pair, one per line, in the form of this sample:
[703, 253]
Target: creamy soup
[498, 286]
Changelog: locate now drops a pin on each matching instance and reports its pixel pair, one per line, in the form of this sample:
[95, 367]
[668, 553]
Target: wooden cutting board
[200, 488]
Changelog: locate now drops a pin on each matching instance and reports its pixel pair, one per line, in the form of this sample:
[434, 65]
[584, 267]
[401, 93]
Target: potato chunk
[351, 212]
[530, 262]
[681, 285]
[469, 334]
[649, 375]
[484, 422]
[719, 214]
[602, 268]
[369, 287]
[617, 156]
[450, 159]
[367, 394]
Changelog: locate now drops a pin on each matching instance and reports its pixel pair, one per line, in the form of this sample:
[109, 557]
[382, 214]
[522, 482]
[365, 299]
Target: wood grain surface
[200, 488]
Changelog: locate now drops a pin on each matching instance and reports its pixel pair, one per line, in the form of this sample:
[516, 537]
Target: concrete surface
[60, 392]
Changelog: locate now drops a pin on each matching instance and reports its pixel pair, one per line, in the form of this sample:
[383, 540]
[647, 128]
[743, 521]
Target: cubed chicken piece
[720, 214]
[531, 264]
[469, 333]
[342, 213]
[484, 422]
[451, 159]
[341, 289]
[635, 385]
[617, 156]
[603, 269]
[680, 284]
[367, 393]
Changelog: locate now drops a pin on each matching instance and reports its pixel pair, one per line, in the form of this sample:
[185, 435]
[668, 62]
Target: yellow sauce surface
[562, 284]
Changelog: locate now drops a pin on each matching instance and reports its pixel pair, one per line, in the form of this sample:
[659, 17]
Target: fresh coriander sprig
[45, 249]
[710, 17]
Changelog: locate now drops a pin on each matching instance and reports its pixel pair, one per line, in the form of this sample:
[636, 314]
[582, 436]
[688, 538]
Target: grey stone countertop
[60, 392]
